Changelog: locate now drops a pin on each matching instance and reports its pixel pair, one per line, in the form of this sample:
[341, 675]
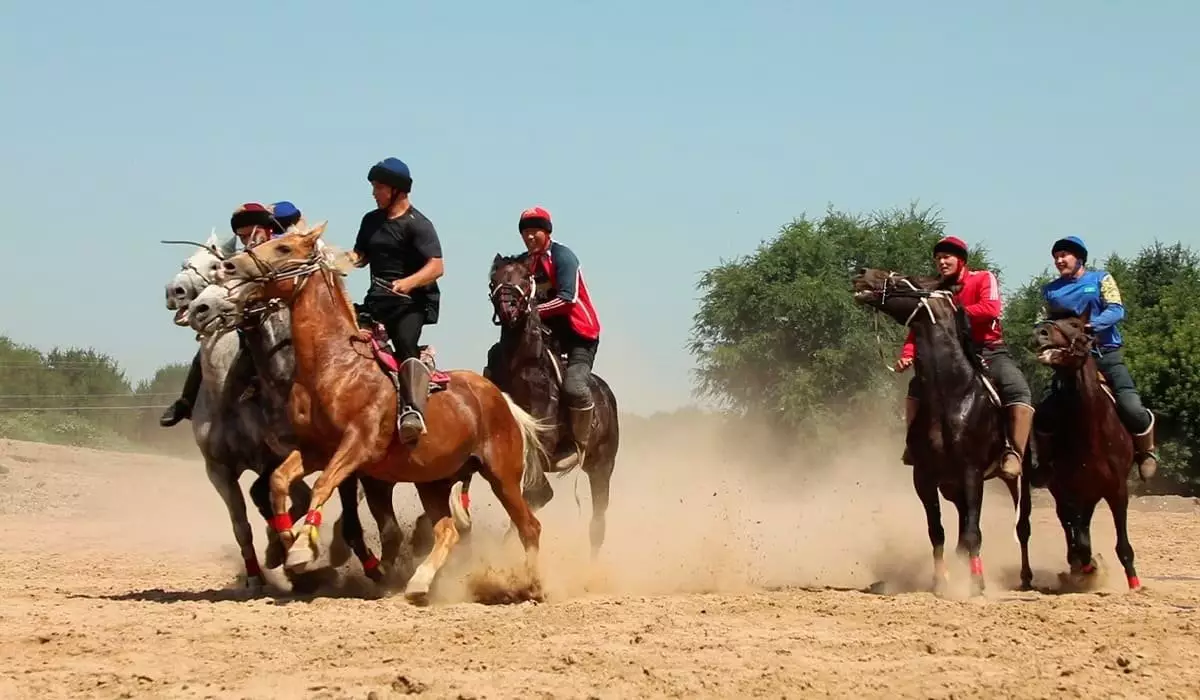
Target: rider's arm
[909, 351]
[427, 243]
[358, 255]
[1112, 310]
[566, 284]
[987, 304]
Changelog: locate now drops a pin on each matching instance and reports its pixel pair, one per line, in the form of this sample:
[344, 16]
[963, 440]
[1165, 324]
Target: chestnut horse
[526, 364]
[344, 409]
[957, 439]
[1084, 453]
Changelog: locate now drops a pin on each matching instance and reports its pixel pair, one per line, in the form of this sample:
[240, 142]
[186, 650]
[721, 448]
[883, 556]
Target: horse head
[198, 271]
[901, 296]
[511, 289]
[1063, 342]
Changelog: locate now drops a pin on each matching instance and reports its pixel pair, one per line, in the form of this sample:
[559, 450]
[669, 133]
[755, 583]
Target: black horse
[528, 366]
[957, 439]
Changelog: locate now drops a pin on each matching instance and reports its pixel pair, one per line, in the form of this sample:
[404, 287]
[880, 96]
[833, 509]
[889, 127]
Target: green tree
[778, 336]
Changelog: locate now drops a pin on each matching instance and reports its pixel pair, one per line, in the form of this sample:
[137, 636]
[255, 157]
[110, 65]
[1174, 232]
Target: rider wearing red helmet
[566, 309]
[978, 294]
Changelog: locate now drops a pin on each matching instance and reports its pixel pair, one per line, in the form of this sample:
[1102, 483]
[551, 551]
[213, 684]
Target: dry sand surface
[121, 580]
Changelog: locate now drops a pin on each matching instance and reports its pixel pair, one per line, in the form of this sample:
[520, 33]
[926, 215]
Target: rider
[566, 309]
[1078, 289]
[404, 253]
[288, 216]
[252, 223]
[979, 297]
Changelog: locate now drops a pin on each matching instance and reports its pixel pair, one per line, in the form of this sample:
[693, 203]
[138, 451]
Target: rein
[521, 298]
[913, 290]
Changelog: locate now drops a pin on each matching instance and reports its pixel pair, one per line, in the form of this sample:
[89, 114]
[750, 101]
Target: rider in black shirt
[401, 248]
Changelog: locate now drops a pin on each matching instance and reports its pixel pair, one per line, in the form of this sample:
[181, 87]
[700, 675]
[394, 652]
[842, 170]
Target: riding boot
[182, 407]
[910, 414]
[1020, 420]
[581, 432]
[1144, 455]
[412, 396]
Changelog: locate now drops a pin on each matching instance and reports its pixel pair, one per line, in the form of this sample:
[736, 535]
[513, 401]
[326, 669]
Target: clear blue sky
[663, 136]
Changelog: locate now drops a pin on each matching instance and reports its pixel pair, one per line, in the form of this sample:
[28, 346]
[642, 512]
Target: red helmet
[952, 245]
[535, 217]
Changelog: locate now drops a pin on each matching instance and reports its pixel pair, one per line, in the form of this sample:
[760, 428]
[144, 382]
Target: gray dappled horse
[240, 422]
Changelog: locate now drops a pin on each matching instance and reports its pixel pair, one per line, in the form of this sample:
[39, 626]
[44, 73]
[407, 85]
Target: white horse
[239, 422]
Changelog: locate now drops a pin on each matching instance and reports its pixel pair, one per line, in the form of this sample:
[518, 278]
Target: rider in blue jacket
[1077, 290]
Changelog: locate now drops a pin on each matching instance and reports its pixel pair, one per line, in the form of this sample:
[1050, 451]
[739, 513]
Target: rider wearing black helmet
[402, 250]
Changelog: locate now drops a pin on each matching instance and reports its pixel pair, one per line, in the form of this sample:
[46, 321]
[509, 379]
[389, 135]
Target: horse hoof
[417, 598]
[299, 557]
[256, 584]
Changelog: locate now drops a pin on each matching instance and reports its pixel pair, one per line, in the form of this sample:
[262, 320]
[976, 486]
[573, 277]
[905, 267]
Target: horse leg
[973, 537]
[599, 478]
[281, 484]
[1083, 539]
[391, 537]
[260, 495]
[1119, 505]
[1020, 494]
[927, 492]
[351, 452]
[352, 528]
[224, 480]
[435, 498]
[507, 487]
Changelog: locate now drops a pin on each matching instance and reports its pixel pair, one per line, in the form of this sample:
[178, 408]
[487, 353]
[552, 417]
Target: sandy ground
[120, 580]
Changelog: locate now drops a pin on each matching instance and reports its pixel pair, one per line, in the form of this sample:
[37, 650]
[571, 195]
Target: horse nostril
[201, 309]
[180, 291]
[228, 267]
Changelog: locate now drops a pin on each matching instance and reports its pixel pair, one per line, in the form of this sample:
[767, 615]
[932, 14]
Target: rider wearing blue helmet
[1077, 290]
[402, 249]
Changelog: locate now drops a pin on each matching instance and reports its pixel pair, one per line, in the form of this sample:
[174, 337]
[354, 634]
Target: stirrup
[409, 411]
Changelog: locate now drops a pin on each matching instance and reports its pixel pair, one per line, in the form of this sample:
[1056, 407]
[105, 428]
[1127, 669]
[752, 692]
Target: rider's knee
[1133, 414]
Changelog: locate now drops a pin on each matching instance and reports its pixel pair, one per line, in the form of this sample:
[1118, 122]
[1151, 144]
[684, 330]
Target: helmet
[254, 214]
[1073, 245]
[392, 172]
[535, 217]
[951, 245]
[286, 213]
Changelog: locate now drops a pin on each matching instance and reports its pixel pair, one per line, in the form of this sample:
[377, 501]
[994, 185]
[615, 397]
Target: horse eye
[285, 249]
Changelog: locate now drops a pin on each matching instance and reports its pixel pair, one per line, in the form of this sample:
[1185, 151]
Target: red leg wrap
[466, 500]
[1134, 583]
[1088, 569]
[370, 563]
[282, 522]
[976, 566]
[252, 567]
[313, 518]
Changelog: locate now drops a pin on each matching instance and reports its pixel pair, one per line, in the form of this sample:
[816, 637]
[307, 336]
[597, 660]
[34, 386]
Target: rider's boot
[182, 407]
[910, 414]
[1020, 420]
[1144, 454]
[581, 432]
[414, 393]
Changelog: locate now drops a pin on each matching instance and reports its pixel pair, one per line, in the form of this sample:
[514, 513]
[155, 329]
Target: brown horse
[343, 409]
[1084, 453]
[526, 364]
[957, 439]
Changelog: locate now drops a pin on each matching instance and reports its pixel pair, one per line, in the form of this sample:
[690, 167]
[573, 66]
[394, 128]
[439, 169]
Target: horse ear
[317, 230]
[226, 249]
[212, 241]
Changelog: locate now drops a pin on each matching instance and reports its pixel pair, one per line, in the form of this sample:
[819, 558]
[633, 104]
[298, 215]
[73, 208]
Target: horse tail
[532, 451]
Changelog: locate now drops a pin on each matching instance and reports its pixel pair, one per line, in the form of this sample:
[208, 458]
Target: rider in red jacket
[978, 294]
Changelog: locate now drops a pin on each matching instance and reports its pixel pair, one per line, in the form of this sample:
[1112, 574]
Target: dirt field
[120, 581]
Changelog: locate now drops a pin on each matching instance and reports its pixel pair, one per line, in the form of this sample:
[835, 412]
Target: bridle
[891, 287]
[508, 291]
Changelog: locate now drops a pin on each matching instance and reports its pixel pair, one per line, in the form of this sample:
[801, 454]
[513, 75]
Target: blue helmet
[392, 172]
[286, 213]
[1073, 245]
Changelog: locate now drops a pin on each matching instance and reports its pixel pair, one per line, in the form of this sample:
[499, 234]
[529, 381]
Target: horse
[1084, 453]
[957, 439]
[528, 366]
[238, 423]
[344, 412]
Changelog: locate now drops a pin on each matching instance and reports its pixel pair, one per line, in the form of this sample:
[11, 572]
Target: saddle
[384, 355]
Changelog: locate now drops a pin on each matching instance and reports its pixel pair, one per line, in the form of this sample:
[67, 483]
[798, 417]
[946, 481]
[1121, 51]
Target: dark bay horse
[527, 365]
[343, 409]
[957, 439]
[1084, 453]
